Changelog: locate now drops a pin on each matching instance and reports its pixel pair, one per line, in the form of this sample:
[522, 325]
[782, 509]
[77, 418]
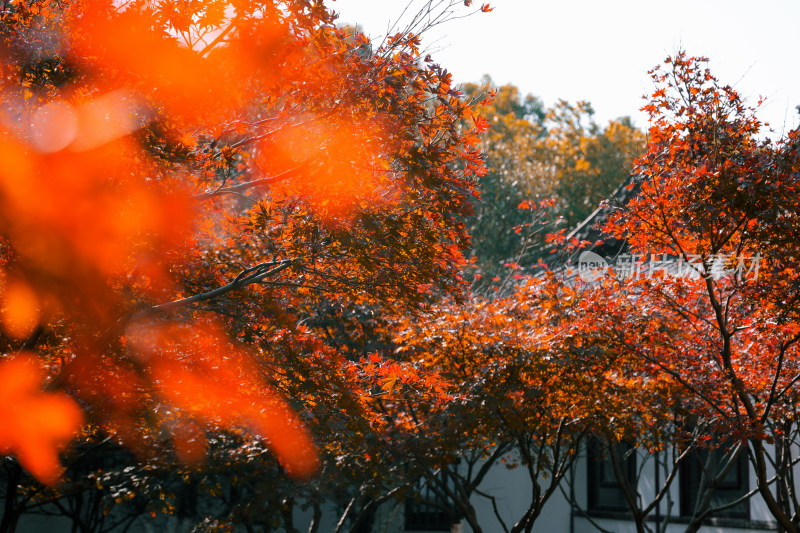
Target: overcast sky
[600, 51]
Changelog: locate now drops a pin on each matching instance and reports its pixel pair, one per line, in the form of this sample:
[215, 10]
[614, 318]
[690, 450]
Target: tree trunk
[760, 467]
[472, 520]
[10, 510]
[317, 517]
[693, 526]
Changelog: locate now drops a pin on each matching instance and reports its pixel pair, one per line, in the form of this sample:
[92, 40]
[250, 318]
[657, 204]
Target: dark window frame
[605, 494]
[429, 510]
[691, 472]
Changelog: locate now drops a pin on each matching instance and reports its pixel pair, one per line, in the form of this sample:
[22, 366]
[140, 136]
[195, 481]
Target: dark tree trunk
[11, 512]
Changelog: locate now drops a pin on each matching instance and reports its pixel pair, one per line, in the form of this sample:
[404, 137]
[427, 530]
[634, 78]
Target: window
[733, 485]
[605, 492]
[429, 511]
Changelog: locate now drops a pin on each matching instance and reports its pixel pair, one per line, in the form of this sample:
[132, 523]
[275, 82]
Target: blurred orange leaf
[198, 371]
[20, 310]
[35, 425]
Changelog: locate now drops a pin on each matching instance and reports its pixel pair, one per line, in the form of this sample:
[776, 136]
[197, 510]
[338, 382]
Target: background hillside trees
[536, 153]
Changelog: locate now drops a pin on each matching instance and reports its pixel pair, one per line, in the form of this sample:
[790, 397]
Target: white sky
[601, 50]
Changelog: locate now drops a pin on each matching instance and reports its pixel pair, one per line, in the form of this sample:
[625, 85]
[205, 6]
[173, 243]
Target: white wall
[512, 489]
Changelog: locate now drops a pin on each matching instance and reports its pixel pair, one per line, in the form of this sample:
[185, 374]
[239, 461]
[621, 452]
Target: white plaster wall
[512, 490]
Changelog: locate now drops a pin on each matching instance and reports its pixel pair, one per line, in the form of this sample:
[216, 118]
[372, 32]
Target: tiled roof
[591, 228]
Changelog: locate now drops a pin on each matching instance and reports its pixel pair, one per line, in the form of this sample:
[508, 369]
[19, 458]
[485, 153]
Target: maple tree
[183, 188]
[507, 403]
[703, 300]
[640, 418]
[722, 195]
[524, 387]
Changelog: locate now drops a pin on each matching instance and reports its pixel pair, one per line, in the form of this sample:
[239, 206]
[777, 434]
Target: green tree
[517, 172]
[590, 161]
[534, 153]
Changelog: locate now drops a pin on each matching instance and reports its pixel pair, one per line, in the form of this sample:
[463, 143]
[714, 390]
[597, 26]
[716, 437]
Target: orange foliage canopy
[158, 158]
[686, 338]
